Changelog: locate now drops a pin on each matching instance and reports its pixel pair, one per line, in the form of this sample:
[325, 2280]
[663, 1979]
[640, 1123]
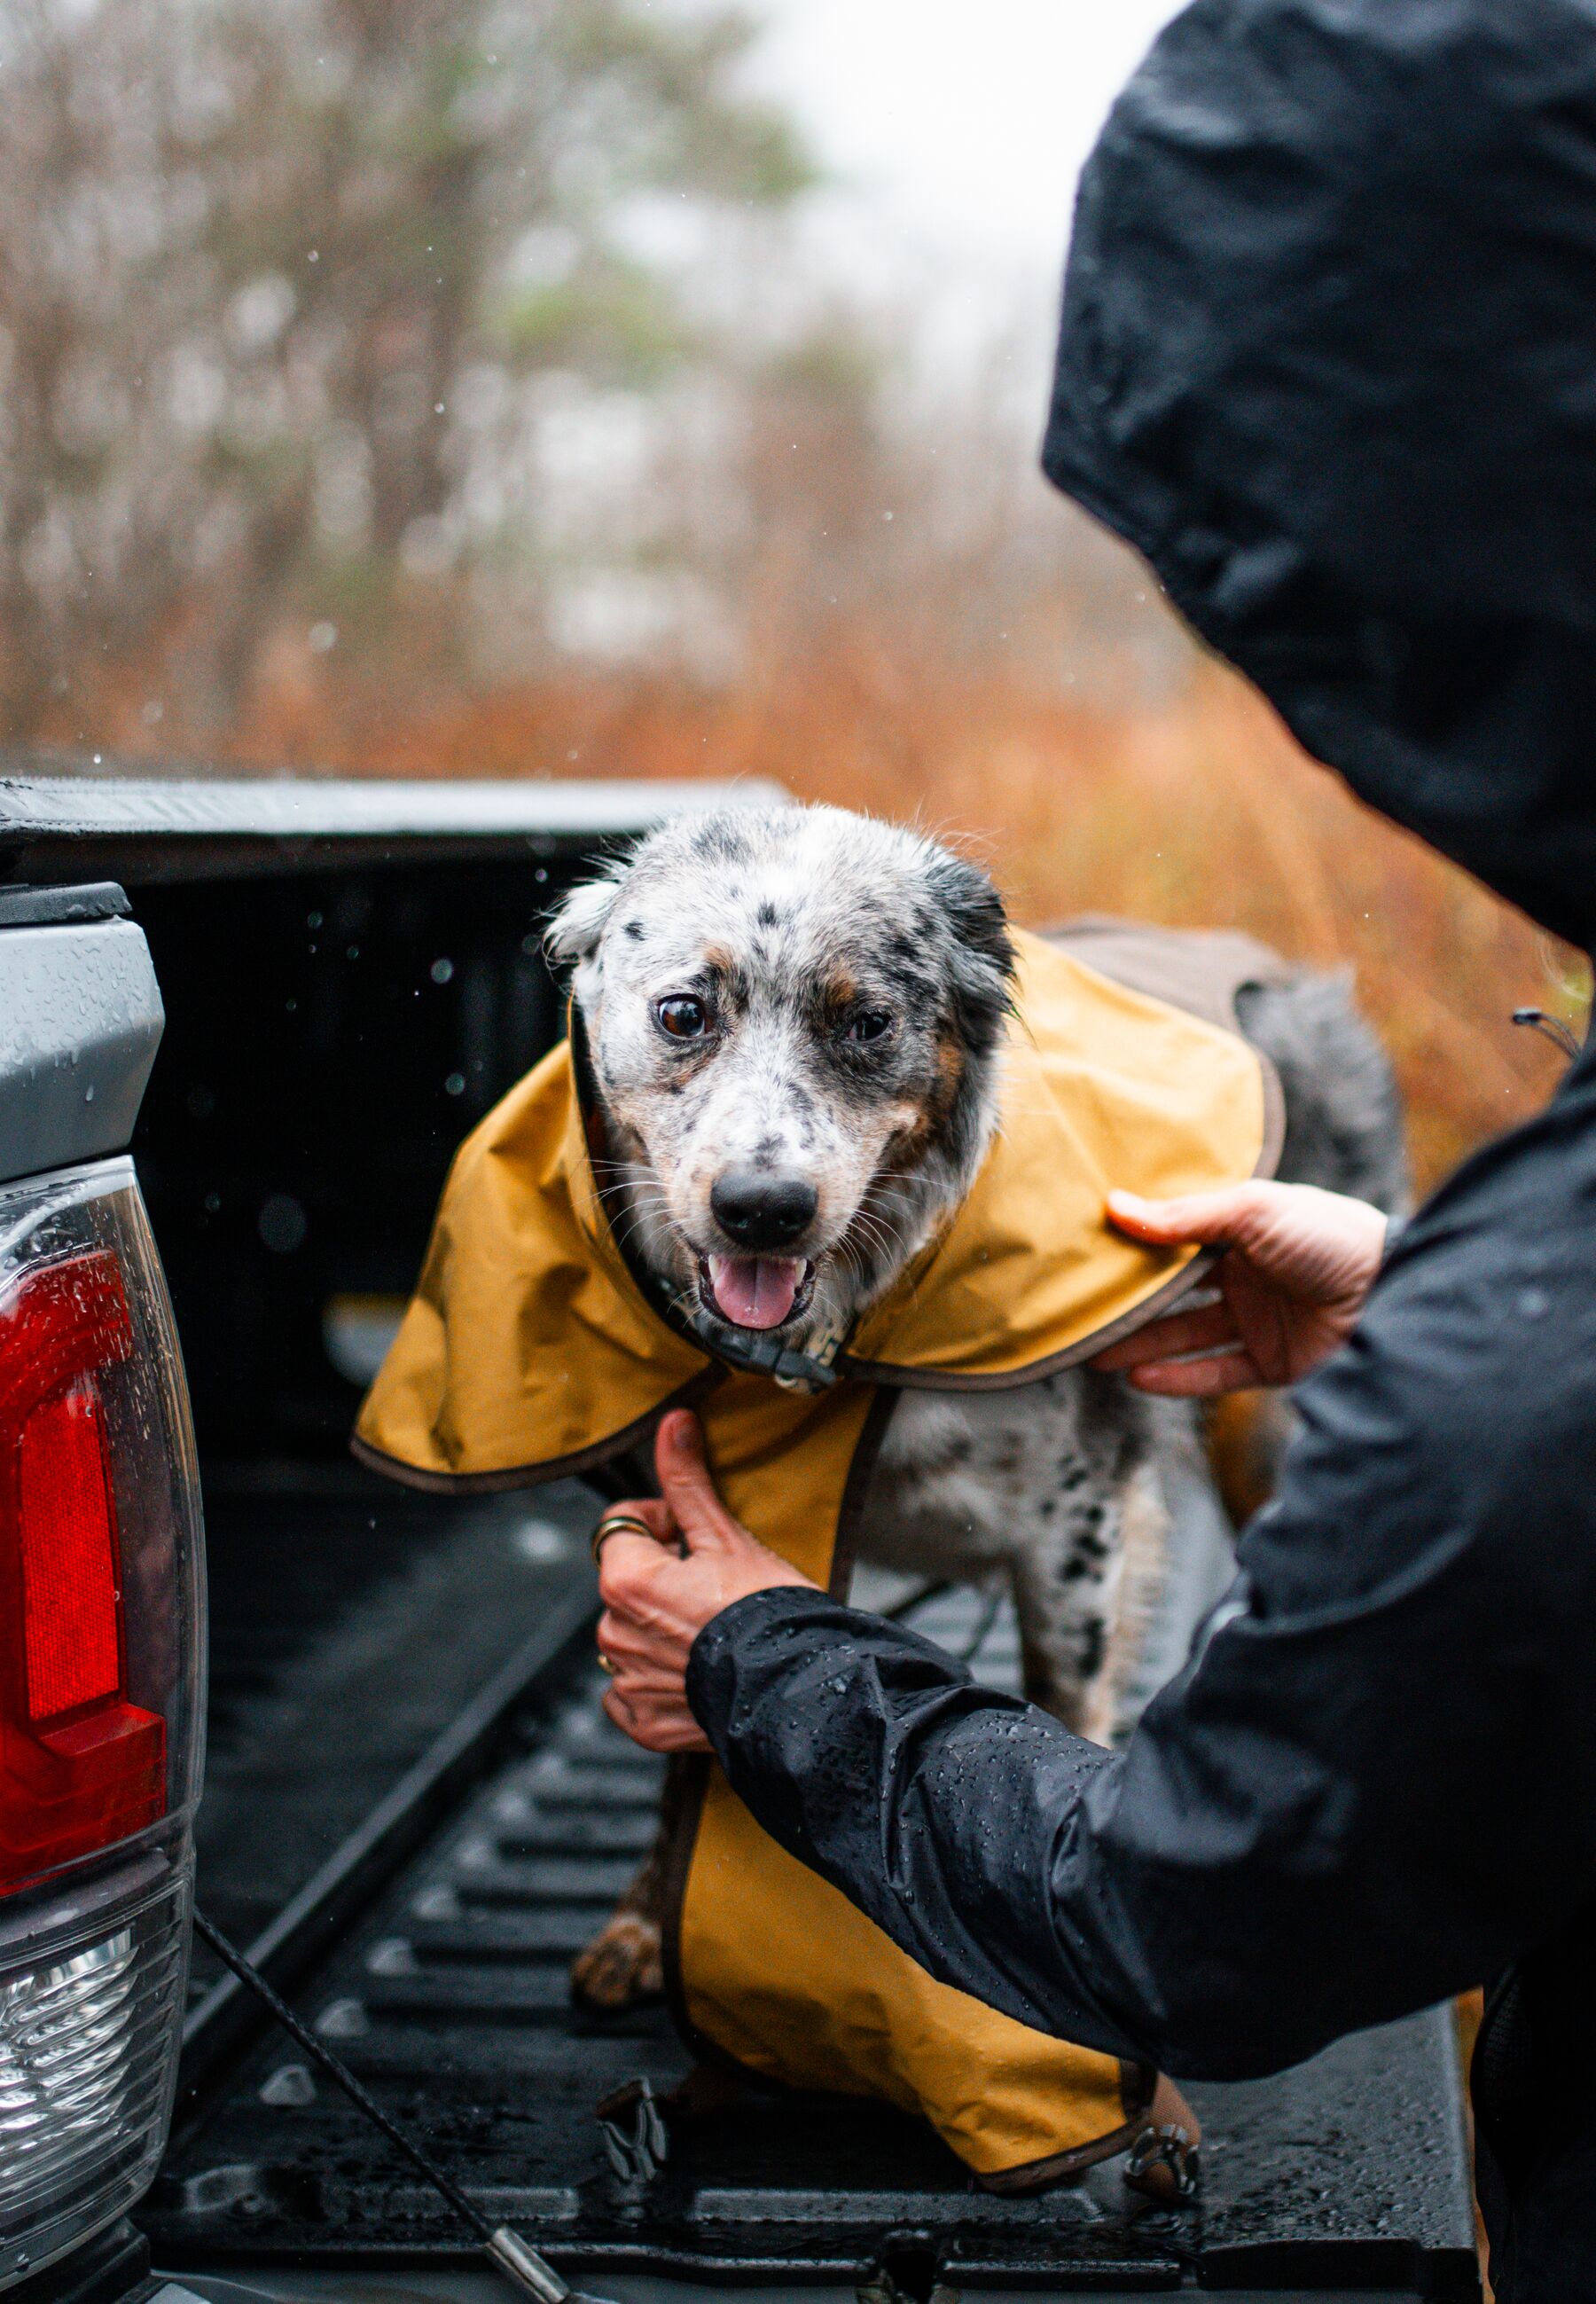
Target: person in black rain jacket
[1329, 362]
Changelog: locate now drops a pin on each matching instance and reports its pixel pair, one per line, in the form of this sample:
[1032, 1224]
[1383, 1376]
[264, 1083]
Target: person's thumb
[687, 1488]
[1194, 1216]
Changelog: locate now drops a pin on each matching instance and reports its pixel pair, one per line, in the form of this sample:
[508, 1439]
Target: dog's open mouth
[755, 1291]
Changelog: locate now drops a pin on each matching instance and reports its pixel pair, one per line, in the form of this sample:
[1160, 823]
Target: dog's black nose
[760, 1211]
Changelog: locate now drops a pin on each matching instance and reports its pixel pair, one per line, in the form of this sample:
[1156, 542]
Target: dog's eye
[682, 1018]
[867, 1024]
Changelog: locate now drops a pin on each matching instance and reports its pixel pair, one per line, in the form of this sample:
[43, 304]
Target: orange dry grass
[1199, 811]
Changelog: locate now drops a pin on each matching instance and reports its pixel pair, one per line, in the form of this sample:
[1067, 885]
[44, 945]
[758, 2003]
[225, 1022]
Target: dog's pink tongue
[755, 1291]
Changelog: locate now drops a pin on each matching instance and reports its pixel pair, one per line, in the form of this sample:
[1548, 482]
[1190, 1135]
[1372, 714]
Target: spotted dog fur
[853, 980]
[809, 1002]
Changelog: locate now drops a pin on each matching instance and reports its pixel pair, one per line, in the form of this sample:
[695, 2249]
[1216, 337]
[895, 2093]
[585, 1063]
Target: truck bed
[474, 1837]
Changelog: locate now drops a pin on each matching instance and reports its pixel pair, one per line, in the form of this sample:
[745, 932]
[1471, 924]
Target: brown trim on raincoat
[1138, 2085]
[1086, 1348]
[866, 1454]
[679, 1852]
[553, 1468]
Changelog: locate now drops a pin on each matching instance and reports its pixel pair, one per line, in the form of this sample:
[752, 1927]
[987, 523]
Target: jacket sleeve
[1373, 1783]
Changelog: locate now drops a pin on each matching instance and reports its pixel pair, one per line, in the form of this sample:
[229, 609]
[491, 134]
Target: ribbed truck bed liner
[450, 1998]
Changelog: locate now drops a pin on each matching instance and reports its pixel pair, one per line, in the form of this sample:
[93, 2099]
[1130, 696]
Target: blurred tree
[267, 275]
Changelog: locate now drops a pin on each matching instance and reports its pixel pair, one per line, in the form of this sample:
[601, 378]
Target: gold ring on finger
[605, 1664]
[612, 1524]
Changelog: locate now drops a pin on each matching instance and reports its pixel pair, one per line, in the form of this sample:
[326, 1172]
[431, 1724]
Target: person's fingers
[646, 1673]
[652, 1512]
[1166, 1339]
[689, 1488]
[624, 1640]
[642, 1674]
[657, 1728]
[670, 1736]
[1199, 1379]
[1199, 1217]
[621, 1712]
[647, 1691]
[628, 1568]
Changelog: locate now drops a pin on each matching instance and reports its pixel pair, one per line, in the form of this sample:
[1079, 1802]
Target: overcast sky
[967, 124]
[954, 132]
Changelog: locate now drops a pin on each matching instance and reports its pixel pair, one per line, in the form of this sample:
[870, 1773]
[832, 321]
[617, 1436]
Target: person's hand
[660, 1590]
[1298, 1265]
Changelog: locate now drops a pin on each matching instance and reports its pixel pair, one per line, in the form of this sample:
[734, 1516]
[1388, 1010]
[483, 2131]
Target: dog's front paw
[621, 1966]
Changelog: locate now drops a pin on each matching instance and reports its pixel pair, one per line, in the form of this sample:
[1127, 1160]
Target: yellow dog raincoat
[530, 1351]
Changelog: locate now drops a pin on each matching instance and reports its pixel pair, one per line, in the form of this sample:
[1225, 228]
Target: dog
[793, 1022]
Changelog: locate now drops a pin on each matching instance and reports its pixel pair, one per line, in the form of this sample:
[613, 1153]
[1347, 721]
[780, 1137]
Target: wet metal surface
[466, 2285]
[451, 2002]
[350, 1622]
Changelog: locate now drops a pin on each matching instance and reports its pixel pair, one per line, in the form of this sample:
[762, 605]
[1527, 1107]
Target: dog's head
[791, 1015]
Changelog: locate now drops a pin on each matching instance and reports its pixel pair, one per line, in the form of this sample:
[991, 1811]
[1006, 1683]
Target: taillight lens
[101, 1686]
[84, 1766]
[91, 2001]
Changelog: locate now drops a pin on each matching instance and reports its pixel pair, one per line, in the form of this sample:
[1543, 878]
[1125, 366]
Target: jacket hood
[1328, 360]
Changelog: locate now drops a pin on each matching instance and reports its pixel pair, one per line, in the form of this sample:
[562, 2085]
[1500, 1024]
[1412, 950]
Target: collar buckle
[755, 1355]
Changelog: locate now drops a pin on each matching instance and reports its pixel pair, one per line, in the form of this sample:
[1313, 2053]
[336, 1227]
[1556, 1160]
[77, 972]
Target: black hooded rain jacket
[1329, 360]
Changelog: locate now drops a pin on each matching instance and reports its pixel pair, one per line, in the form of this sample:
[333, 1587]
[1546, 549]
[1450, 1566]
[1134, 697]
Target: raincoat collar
[531, 1350]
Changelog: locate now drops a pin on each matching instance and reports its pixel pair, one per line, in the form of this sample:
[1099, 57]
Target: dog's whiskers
[880, 1234]
[643, 1181]
[643, 1200]
[871, 1240]
[641, 1222]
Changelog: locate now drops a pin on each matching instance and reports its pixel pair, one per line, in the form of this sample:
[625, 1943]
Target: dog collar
[755, 1355]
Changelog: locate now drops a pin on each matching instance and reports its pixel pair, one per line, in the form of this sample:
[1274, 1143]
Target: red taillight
[80, 1766]
[71, 1633]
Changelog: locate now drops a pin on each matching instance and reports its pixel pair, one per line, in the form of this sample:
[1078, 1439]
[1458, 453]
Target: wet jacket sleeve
[1375, 1780]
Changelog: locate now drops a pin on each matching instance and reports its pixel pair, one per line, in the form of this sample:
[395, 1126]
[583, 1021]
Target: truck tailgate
[448, 1993]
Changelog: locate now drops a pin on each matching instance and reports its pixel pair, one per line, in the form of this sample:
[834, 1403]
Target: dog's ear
[575, 927]
[983, 962]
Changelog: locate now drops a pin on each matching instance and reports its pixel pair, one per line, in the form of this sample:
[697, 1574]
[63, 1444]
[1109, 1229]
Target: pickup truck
[413, 1812]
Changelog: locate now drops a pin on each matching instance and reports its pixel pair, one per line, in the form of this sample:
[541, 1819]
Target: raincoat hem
[1138, 2084]
[1191, 1275]
[571, 1466]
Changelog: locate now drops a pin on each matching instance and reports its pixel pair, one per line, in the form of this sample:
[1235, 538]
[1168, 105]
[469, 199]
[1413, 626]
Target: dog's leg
[623, 1964]
[1143, 1575]
[1066, 1583]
